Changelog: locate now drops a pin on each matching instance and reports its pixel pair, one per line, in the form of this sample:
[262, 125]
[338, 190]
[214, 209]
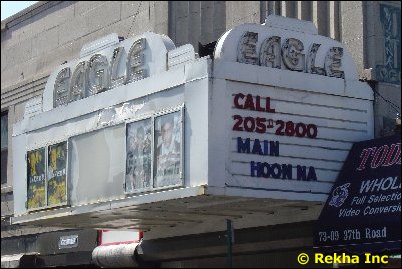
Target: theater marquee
[138, 122]
[291, 110]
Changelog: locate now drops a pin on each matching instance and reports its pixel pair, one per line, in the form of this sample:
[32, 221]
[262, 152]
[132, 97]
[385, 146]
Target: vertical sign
[138, 155]
[168, 150]
[57, 162]
[390, 70]
[36, 178]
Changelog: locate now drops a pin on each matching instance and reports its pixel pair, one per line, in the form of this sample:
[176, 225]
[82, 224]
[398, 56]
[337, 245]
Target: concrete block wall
[352, 30]
[324, 14]
[33, 44]
[242, 12]
[196, 21]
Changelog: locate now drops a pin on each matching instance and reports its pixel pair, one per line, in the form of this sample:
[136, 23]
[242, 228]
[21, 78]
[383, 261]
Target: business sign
[275, 52]
[97, 75]
[286, 44]
[57, 180]
[390, 69]
[292, 113]
[261, 122]
[36, 169]
[68, 241]
[105, 64]
[363, 210]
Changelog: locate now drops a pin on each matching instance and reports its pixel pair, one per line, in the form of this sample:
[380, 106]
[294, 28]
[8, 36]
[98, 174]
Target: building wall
[54, 32]
[382, 59]
[40, 38]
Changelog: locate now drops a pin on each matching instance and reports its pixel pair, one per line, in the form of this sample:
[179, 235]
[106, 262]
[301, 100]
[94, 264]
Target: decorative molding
[390, 71]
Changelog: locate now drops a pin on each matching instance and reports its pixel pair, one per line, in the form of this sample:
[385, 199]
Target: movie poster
[57, 164]
[168, 132]
[138, 155]
[36, 178]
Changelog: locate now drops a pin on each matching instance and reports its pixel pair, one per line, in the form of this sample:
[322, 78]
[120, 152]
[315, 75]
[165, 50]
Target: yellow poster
[36, 178]
[56, 186]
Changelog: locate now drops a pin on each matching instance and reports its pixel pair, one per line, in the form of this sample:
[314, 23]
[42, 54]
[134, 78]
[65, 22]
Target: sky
[9, 8]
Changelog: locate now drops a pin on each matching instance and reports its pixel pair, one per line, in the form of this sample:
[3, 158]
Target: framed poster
[168, 150]
[56, 174]
[138, 155]
[36, 169]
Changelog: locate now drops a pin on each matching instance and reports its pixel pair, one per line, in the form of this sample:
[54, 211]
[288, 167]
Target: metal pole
[229, 242]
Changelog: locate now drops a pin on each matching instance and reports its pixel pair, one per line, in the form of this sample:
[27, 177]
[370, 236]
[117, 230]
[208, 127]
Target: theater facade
[141, 134]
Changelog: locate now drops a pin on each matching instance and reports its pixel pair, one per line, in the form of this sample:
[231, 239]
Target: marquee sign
[260, 124]
[109, 63]
[291, 53]
[288, 132]
[272, 116]
[286, 44]
[97, 75]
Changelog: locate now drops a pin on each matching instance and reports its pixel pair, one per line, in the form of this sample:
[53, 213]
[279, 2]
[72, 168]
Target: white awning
[11, 261]
[114, 256]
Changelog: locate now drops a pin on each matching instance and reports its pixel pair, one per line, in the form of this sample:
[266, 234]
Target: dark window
[207, 49]
[4, 146]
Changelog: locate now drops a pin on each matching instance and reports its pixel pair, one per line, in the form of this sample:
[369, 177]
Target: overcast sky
[9, 8]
